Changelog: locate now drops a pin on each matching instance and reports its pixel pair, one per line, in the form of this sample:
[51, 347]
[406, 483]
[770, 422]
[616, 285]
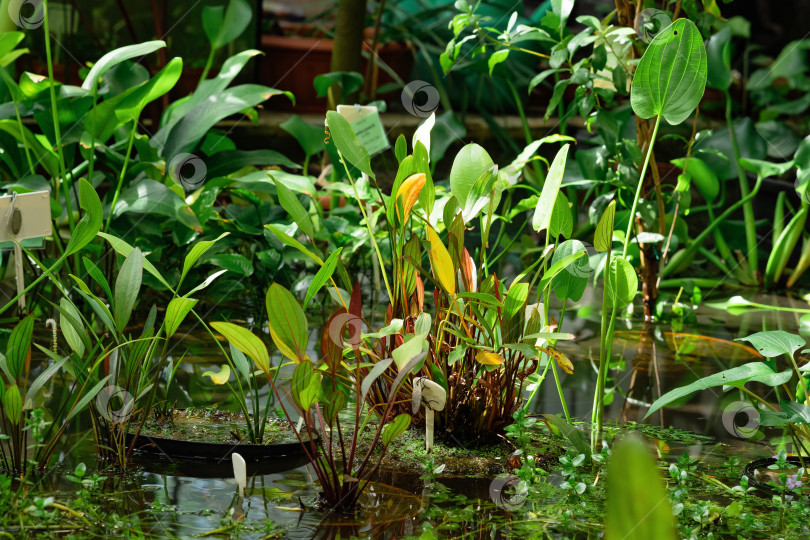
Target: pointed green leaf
[12, 403]
[246, 341]
[18, 346]
[88, 227]
[551, 187]
[114, 58]
[395, 428]
[287, 322]
[293, 206]
[127, 287]
[738, 376]
[176, 312]
[346, 142]
[775, 343]
[322, 276]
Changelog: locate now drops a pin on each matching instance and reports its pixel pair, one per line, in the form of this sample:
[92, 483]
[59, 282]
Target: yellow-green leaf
[408, 193]
[221, 377]
[287, 322]
[489, 358]
[245, 341]
[442, 263]
[561, 360]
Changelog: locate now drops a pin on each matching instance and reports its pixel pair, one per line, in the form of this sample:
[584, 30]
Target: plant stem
[638, 189]
[748, 208]
[55, 116]
[121, 176]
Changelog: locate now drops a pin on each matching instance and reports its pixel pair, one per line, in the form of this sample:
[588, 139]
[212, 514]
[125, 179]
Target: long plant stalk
[748, 208]
[121, 176]
[55, 115]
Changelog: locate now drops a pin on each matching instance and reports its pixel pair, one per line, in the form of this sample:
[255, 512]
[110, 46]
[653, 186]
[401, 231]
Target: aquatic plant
[318, 391]
[668, 84]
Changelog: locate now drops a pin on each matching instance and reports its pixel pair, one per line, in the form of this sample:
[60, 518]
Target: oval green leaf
[671, 76]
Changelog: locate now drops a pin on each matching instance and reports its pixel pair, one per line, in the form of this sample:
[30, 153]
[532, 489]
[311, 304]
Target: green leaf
[470, 164]
[571, 283]
[127, 287]
[234, 262]
[671, 76]
[19, 345]
[496, 58]
[346, 142]
[288, 240]
[44, 155]
[515, 300]
[287, 322]
[603, 237]
[41, 380]
[775, 343]
[304, 386]
[88, 227]
[309, 136]
[210, 87]
[551, 187]
[378, 369]
[151, 197]
[395, 428]
[240, 362]
[164, 80]
[190, 130]
[322, 276]
[783, 247]
[12, 403]
[765, 169]
[409, 350]
[571, 433]
[197, 251]
[293, 206]
[245, 341]
[225, 25]
[349, 81]
[718, 52]
[796, 413]
[401, 148]
[561, 223]
[638, 507]
[114, 58]
[556, 268]
[332, 406]
[123, 248]
[80, 405]
[226, 162]
[73, 331]
[622, 282]
[737, 377]
[176, 312]
[97, 276]
[705, 179]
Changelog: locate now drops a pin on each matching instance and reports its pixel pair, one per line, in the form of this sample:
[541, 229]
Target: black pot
[218, 452]
[764, 489]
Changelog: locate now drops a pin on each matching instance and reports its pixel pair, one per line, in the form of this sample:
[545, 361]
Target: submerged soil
[214, 426]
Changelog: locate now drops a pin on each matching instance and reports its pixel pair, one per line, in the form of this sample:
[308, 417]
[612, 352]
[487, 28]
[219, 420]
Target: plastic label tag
[367, 125]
